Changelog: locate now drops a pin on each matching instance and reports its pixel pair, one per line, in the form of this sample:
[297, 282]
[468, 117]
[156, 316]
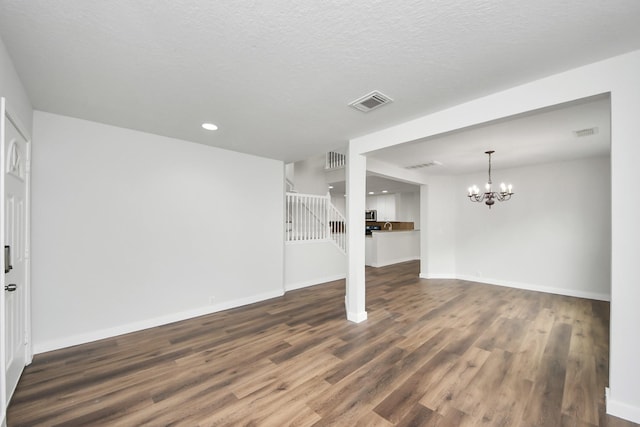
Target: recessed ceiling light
[209, 126]
[384, 191]
[330, 187]
[371, 192]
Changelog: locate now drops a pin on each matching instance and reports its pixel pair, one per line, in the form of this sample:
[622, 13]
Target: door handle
[11, 288]
[7, 259]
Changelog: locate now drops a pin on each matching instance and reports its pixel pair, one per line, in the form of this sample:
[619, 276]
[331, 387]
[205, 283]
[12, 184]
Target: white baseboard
[87, 337]
[437, 276]
[313, 282]
[394, 261]
[622, 410]
[357, 317]
[538, 288]
[518, 285]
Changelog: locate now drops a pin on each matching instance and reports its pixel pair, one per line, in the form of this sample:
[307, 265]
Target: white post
[624, 376]
[356, 186]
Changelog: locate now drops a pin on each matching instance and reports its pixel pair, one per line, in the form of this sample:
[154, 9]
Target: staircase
[312, 218]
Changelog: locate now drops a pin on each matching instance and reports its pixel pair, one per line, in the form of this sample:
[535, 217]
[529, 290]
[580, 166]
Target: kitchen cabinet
[391, 247]
[396, 207]
[385, 204]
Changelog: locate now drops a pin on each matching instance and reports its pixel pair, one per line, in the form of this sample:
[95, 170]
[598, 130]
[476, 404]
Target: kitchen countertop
[391, 232]
[388, 231]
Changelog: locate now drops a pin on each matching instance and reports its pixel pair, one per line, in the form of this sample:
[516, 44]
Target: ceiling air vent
[424, 165]
[585, 132]
[370, 101]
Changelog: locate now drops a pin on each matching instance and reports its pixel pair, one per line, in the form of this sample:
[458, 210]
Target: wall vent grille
[370, 101]
[585, 132]
[424, 165]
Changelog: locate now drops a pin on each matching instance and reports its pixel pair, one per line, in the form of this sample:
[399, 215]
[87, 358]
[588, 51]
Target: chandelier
[489, 197]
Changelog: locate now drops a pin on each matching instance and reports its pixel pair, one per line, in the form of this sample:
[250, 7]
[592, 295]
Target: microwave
[371, 215]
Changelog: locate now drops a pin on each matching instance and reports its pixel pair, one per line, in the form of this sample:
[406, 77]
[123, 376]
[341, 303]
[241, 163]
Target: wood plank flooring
[432, 353]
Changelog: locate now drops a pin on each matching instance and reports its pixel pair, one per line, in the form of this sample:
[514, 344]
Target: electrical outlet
[212, 300]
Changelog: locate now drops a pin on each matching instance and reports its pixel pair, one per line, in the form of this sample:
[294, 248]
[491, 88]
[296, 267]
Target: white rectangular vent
[370, 101]
[424, 165]
[585, 132]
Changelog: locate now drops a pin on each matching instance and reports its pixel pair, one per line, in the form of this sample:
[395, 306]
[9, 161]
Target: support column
[356, 172]
[624, 400]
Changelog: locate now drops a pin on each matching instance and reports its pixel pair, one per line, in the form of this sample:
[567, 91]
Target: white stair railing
[338, 228]
[313, 218]
[335, 160]
[290, 187]
[306, 217]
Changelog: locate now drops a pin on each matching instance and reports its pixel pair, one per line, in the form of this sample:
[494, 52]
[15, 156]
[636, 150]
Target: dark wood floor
[432, 353]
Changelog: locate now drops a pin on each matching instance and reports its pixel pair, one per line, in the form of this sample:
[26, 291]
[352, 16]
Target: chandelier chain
[489, 168]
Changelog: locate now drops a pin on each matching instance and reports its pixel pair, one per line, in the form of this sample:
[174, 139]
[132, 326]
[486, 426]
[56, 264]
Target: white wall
[438, 231]
[340, 203]
[289, 171]
[309, 176]
[554, 235]
[408, 208]
[312, 263]
[131, 230]
[11, 88]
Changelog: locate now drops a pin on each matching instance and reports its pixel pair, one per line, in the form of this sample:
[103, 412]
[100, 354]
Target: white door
[15, 174]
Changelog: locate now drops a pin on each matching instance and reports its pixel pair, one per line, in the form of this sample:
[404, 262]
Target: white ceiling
[542, 136]
[378, 184]
[277, 76]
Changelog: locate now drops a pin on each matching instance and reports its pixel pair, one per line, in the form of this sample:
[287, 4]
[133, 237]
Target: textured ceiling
[276, 76]
[542, 136]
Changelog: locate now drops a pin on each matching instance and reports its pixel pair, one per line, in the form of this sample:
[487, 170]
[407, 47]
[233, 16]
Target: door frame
[6, 115]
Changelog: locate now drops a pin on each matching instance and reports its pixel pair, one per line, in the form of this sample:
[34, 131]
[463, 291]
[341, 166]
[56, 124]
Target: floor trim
[313, 282]
[526, 286]
[357, 317]
[622, 410]
[84, 338]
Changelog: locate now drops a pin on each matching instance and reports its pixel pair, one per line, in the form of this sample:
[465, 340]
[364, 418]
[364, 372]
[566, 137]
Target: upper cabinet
[385, 204]
[396, 207]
